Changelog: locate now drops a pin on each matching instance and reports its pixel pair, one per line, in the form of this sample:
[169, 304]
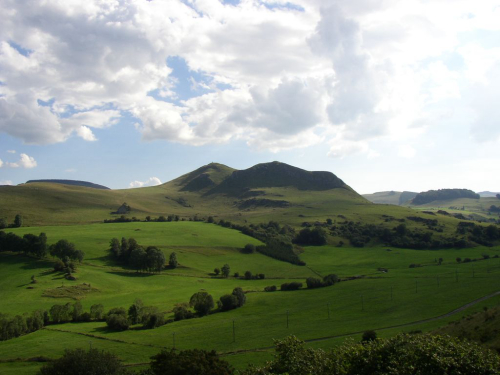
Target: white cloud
[1, 163]
[406, 151]
[25, 161]
[5, 182]
[152, 181]
[347, 72]
[11, 151]
[70, 170]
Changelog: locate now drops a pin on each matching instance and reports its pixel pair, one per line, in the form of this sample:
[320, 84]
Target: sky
[386, 94]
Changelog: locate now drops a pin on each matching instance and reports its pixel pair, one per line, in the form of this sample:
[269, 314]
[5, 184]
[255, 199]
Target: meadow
[399, 299]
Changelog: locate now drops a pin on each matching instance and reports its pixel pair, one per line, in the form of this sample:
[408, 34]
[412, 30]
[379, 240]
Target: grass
[354, 306]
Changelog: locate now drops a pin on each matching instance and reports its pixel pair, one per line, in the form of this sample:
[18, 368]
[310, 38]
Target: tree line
[149, 259]
[17, 223]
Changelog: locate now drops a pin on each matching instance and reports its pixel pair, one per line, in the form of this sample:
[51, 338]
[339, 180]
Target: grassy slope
[354, 305]
[384, 197]
[471, 206]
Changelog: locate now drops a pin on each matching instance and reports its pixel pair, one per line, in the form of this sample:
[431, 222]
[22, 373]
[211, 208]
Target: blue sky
[388, 96]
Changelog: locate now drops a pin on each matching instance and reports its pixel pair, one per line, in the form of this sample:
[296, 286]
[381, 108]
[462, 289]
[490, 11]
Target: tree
[248, 275]
[440, 261]
[114, 248]
[202, 302]
[225, 270]
[369, 335]
[172, 261]
[216, 271]
[155, 259]
[3, 224]
[117, 319]
[64, 248]
[96, 311]
[240, 295]
[228, 302]
[135, 312]
[77, 311]
[459, 260]
[249, 248]
[18, 221]
[181, 312]
[137, 259]
[192, 362]
[84, 362]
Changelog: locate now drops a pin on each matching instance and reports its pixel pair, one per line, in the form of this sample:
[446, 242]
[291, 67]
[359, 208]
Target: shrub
[291, 286]
[181, 312]
[262, 276]
[271, 288]
[202, 302]
[117, 322]
[249, 249]
[369, 335]
[248, 275]
[192, 362]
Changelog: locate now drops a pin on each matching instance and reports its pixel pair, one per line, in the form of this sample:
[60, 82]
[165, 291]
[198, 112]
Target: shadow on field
[107, 260]
[131, 274]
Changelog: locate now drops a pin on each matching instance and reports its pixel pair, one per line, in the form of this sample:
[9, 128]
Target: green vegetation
[443, 194]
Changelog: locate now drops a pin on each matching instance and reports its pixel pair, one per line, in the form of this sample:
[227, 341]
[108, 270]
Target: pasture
[399, 299]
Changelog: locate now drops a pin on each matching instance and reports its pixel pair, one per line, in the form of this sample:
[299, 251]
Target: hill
[71, 182]
[443, 194]
[390, 197]
[277, 174]
[488, 194]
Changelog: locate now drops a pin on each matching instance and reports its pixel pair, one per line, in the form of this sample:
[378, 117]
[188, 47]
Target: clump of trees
[18, 222]
[313, 282]
[29, 244]
[202, 303]
[443, 194]
[63, 249]
[131, 253]
[232, 301]
[294, 285]
[403, 354]
[313, 237]
[120, 319]
[82, 362]
[479, 233]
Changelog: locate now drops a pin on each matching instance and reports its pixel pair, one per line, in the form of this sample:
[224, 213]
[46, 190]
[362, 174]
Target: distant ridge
[488, 194]
[72, 182]
[443, 194]
[391, 197]
[276, 174]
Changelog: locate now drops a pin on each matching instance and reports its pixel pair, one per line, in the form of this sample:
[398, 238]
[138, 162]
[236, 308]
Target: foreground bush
[400, 355]
[192, 362]
[84, 362]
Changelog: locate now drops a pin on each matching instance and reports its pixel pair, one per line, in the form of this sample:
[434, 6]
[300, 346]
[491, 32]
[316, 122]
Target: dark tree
[18, 221]
[64, 248]
[225, 270]
[249, 248]
[77, 311]
[3, 224]
[240, 295]
[192, 362]
[114, 248]
[155, 259]
[135, 312]
[97, 312]
[181, 312]
[202, 302]
[216, 271]
[369, 335]
[84, 362]
[248, 275]
[228, 302]
[172, 262]
[137, 259]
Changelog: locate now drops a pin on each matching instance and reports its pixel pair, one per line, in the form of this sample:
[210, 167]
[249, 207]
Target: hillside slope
[72, 182]
[390, 197]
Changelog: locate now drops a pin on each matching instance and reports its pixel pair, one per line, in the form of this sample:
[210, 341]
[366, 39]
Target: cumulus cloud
[152, 181]
[344, 72]
[25, 161]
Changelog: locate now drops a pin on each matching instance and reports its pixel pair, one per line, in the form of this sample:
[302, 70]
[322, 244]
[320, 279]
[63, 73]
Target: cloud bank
[278, 75]
[25, 161]
[152, 181]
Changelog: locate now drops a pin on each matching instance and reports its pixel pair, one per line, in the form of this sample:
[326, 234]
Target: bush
[84, 362]
[192, 362]
[312, 283]
[202, 302]
[117, 322]
[249, 249]
[368, 336]
[291, 286]
[271, 288]
[228, 302]
[181, 312]
[248, 275]
[262, 276]
[154, 320]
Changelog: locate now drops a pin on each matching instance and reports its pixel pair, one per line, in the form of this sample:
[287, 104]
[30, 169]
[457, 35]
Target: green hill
[390, 197]
[71, 182]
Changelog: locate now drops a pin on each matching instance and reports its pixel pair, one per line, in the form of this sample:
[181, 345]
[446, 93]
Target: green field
[375, 300]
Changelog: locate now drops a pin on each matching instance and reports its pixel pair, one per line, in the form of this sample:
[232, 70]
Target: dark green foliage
[369, 335]
[202, 302]
[248, 275]
[228, 302]
[61, 313]
[313, 282]
[189, 362]
[18, 221]
[84, 362]
[3, 224]
[226, 270]
[138, 259]
[135, 312]
[155, 259]
[249, 249]
[271, 288]
[240, 295]
[77, 311]
[216, 271]
[117, 322]
[114, 248]
[261, 276]
[313, 237]
[280, 250]
[291, 286]
[181, 312]
[401, 355]
[35, 245]
[154, 320]
[97, 312]
[172, 262]
[18, 325]
[443, 194]
[64, 248]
